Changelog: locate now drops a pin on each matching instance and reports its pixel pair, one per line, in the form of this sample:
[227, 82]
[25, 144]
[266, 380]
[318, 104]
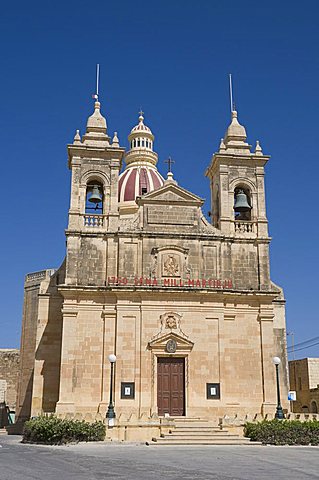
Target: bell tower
[236, 177]
[95, 162]
[237, 184]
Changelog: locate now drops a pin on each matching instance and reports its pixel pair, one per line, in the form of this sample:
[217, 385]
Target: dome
[141, 127]
[137, 181]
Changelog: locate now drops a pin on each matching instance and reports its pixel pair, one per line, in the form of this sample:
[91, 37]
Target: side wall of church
[28, 343]
[48, 352]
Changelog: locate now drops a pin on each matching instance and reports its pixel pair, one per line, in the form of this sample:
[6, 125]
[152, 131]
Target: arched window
[94, 198]
[138, 143]
[242, 203]
[313, 407]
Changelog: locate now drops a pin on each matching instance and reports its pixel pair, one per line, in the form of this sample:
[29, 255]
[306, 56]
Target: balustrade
[95, 221]
[244, 226]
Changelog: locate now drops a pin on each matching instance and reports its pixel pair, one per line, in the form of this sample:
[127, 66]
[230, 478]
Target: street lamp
[279, 411]
[110, 414]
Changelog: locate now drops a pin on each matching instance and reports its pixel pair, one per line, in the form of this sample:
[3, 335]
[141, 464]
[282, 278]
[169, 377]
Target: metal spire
[96, 95]
[232, 105]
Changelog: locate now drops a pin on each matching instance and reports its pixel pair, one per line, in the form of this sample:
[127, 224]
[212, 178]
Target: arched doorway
[313, 407]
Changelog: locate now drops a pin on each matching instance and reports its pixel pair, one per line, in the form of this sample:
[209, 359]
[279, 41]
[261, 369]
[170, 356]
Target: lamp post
[110, 414]
[279, 411]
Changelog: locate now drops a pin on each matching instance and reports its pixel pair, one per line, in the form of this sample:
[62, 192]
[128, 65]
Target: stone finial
[115, 140]
[77, 138]
[258, 150]
[222, 146]
[235, 136]
[235, 131]
[170, 179]
[96, 120]
[96, 129]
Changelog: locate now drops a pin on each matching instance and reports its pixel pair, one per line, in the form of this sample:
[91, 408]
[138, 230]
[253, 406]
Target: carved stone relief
[171, 265]
[170, 261]
[170, 321]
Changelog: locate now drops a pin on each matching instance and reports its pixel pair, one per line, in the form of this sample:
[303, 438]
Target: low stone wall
[129, 428]
[236, 423]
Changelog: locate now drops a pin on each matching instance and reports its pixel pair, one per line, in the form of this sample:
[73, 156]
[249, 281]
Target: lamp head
[276, 361]
[112, 358]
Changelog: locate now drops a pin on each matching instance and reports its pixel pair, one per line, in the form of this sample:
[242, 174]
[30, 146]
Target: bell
[95, 197]
[241, 203]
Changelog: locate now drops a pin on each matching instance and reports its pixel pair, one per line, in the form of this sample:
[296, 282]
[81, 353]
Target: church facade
[186, 304]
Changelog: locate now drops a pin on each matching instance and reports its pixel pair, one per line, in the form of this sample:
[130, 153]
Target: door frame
[157, 347]
[184, 382]
[155, 356]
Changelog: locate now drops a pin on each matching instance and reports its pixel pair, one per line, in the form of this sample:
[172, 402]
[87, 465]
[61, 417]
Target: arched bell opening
[94, 198]
[215, 207]
[242, 203]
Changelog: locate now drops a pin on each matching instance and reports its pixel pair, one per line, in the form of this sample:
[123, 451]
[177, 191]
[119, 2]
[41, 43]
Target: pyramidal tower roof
[235, 137]
[96, 129]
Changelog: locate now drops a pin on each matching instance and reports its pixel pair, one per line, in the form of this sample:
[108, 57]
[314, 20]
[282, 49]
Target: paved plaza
[98, 461]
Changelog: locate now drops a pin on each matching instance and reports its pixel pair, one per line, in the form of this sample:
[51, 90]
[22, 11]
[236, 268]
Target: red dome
[138, 180]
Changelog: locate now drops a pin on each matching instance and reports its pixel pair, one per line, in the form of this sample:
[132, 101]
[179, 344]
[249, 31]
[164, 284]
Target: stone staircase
[196, 431]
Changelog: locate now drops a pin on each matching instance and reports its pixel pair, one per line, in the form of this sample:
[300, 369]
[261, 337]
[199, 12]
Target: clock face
[171, 346]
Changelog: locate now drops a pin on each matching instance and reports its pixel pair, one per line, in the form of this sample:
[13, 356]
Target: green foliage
[51, 430]
[283, 432]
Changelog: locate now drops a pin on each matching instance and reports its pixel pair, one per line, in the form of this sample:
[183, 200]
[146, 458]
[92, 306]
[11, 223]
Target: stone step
[204, 428]
[196, 434]
[187, 419]
[200, 437]
[3, 431]
[210, 441]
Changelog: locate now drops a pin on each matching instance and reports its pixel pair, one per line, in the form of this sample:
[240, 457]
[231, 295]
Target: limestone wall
[35, 284]
[9, 374]
[304, 379]
[227, 342]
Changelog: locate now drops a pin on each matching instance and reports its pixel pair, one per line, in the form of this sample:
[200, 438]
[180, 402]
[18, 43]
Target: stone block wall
[304, 379]
[9, 374]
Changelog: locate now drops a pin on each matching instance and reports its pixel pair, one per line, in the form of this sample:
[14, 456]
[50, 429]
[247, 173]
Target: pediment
[182, 343]
[171, 193]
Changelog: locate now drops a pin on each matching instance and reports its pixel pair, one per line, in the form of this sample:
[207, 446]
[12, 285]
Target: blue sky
[173, 59]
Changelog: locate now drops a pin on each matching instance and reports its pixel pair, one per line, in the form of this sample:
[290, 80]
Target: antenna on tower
[96, 95]
[232, 106]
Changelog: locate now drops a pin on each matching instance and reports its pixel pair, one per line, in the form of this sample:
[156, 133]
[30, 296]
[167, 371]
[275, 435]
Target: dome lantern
[140, 175]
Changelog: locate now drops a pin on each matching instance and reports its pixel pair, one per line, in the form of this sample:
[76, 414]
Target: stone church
[185, 303]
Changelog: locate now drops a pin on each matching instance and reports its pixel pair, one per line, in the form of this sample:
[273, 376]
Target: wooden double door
[171, 386]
